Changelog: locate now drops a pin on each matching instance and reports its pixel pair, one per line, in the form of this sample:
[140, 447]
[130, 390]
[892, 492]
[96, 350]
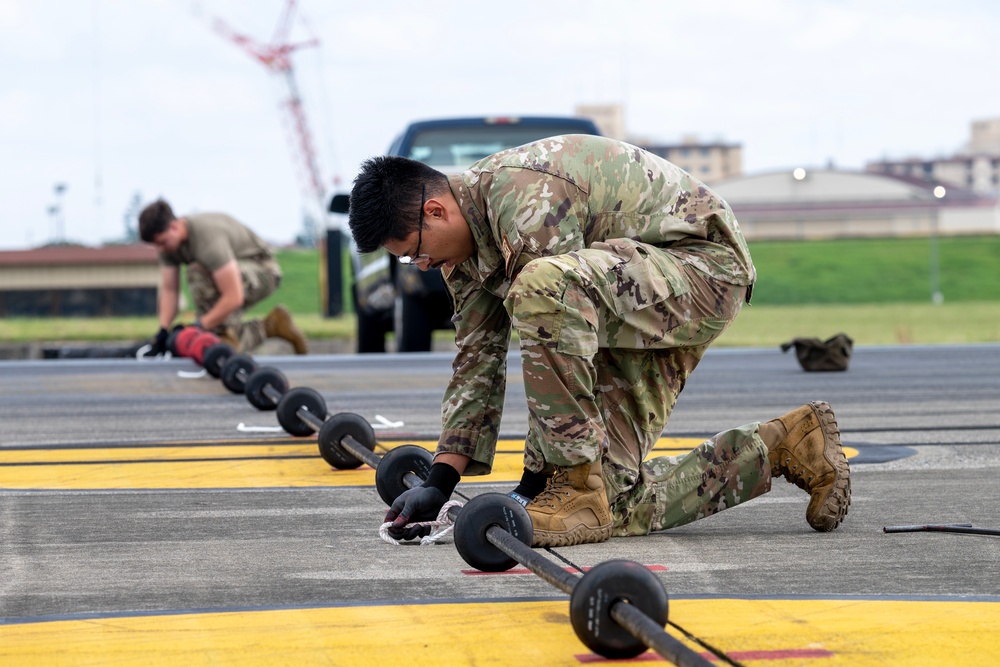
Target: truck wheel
[371, 330]
[413, 326]
[371, 334]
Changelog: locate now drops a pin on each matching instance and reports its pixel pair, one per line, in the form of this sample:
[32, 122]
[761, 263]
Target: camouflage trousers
[609, 336]
[260, 279]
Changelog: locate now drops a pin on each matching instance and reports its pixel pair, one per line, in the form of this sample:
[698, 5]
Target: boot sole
[834, 508]
[283, 327]
[566, 538]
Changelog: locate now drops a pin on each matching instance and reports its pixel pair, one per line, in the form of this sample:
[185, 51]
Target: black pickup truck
[389, 296]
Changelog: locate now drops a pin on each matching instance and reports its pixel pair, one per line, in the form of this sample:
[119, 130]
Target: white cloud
[16, 110]
[144, 94]
[10, 12]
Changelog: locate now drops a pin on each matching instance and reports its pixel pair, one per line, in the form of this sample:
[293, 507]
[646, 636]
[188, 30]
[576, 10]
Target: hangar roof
[826, 186]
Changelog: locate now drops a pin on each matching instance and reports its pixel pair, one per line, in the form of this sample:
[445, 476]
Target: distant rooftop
[74, 254]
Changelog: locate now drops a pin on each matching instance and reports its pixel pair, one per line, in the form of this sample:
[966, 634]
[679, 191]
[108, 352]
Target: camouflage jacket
[552, 197]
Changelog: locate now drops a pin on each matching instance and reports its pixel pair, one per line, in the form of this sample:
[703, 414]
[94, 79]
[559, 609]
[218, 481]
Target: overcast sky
[115, 98]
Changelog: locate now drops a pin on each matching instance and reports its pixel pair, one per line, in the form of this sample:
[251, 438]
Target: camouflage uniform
[617, 269]
[260, 277]
[213, 240]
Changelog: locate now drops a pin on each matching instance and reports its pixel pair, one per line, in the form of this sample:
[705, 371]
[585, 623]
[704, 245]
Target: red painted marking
[648, 656]
[780, 654]
[522, 570]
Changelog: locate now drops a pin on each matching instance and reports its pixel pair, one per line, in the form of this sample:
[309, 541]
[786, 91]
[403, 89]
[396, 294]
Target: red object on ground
[185, 339]
[201, 342]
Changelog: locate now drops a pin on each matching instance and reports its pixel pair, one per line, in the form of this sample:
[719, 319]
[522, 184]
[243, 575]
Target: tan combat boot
[229, 337]
[278, 324]
[573, 508]
[804, 447]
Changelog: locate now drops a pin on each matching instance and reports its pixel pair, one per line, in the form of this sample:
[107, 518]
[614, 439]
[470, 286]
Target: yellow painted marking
[836, 633]
[241, 464]
[184, 475]
[158, 453]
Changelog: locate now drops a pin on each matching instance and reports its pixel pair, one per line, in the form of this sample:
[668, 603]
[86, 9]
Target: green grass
[868, 324]
[756, 326]
[875, 290]
[26, 330]
[875, 270]
[299, 289]
[300, 281]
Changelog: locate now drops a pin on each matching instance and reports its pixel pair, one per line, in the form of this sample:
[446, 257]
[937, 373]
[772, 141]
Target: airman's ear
[434, 208]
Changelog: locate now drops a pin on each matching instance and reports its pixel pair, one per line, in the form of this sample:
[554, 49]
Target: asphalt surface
[924, 421]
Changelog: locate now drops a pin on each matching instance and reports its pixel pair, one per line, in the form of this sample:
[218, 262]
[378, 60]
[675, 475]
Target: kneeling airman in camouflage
[617, 270]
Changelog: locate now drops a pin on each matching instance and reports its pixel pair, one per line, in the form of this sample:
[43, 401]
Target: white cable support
[441, 527]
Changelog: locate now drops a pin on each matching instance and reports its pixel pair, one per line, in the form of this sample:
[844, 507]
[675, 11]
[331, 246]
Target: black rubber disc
[392, 469]
[292, 402]
[231, 377]
[254, 390]
[172, 340]
[333, 431]
[483, 511]
[216, 356]
[601, 588]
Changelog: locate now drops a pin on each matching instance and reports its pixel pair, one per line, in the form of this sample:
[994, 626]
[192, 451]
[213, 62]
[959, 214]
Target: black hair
[155, 219]
[385, 199]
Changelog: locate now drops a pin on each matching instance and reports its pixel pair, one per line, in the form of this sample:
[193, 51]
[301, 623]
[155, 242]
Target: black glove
[422, 503]
[157, 344]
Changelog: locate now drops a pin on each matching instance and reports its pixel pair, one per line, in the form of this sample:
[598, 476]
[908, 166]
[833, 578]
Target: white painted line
[243, 428]
[385, 423]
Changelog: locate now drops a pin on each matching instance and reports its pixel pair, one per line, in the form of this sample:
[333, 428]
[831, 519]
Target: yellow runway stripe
[184, 475]
[157, 453]
[198, 466]
[241, 464]
[239, 449]
[826, 633]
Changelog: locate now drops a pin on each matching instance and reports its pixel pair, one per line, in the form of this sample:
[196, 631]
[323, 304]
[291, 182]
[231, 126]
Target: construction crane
[276, 57]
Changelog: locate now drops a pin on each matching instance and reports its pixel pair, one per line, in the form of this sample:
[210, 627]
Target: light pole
[936, 296]
[56, 211]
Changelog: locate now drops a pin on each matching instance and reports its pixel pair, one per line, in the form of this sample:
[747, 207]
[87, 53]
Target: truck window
[461, 146]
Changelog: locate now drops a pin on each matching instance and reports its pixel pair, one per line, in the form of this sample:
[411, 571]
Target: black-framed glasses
[417, 258]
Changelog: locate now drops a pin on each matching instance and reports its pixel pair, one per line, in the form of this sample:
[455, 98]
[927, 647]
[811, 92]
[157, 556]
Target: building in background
[77, 281]
[829, 203]
[706, 161]
[975, 167]
[912, 197]
[609, 118]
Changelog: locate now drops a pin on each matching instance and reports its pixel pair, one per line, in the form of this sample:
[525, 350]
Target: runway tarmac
[148, 516]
